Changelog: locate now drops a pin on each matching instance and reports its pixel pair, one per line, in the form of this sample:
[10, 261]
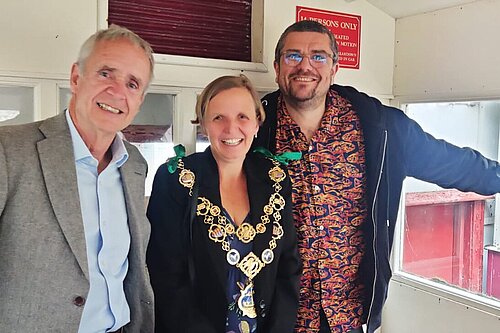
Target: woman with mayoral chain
[223, 251]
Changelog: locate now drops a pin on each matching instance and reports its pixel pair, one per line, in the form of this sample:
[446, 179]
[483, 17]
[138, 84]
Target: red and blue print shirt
[329, 199]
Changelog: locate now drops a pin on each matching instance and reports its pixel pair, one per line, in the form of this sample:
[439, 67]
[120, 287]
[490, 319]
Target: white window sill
[210, 63]
[441, 290]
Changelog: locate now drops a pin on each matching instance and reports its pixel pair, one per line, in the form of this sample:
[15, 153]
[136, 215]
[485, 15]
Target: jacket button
[79, 301]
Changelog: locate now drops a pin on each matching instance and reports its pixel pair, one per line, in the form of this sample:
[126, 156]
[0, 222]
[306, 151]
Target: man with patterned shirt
[347, 186]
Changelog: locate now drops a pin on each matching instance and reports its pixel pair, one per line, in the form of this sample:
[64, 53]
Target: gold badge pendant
[186, 178]
[250, 265]
[277, 174]
[245, 301]
[246, 233]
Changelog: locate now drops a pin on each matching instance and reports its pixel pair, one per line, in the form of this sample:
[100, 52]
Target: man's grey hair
[116, 32]
[307, 26]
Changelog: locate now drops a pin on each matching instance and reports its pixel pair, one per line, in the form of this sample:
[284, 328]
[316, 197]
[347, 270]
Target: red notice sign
[345, 27]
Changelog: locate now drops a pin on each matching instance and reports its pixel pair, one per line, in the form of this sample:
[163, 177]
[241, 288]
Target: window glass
[151, 132]
[449, 236]
[201, 140]
[16, 105]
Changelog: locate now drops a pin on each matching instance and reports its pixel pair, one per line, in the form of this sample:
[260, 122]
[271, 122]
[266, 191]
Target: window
[218, 29]
[152, 132]
[16, 105]
[449, 237]
[201, 140]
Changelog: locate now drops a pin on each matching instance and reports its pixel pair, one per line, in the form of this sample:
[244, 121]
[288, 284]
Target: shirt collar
[330, 117]
[284, 118]
[329, 121]
[81, 151]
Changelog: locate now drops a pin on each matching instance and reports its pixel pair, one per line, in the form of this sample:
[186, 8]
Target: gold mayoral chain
[220, 228]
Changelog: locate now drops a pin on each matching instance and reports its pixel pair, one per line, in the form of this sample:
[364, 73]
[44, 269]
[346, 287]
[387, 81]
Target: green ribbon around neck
[172, 162]
[283, 158]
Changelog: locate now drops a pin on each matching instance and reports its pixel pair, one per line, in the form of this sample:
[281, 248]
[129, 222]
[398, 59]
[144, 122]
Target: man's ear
[334, 71]
[74, 77]
[276, 71]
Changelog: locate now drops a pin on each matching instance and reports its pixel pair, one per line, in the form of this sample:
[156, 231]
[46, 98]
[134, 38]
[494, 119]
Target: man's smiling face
[109, 89]
[304, 82]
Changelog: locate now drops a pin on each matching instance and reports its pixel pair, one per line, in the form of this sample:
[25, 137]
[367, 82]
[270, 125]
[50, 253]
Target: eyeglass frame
[313, 63]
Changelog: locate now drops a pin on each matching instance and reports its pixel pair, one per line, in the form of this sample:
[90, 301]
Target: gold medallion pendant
[250, 265]
[246, 232]
[186, 178]
[246, 303]
[277, 174]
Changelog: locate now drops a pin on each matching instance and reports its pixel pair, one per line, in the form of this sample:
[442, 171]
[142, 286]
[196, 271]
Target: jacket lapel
[209, 188]
[259, 191]
[58, 168]
[133, 175]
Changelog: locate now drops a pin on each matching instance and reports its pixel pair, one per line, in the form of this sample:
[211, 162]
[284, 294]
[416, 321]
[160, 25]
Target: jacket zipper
[375, 226]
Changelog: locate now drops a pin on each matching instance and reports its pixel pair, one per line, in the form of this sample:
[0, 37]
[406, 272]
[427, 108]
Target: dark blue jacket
[189, 271]
[396, 147]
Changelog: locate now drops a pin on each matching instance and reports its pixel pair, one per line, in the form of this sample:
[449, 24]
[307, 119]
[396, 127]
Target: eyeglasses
[317, 59]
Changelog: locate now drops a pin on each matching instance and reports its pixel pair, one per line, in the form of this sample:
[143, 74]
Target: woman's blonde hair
[225, 83]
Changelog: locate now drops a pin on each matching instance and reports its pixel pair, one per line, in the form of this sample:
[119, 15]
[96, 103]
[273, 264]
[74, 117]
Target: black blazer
[201, 305]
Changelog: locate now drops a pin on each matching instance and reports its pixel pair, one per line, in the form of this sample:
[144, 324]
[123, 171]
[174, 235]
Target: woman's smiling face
[230, 122]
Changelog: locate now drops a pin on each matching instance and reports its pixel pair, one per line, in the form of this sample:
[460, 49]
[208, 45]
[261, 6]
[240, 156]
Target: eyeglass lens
[315, 59]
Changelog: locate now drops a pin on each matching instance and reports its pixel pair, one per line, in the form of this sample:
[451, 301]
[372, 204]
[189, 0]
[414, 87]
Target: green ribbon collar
[172, 162]
[283, 158]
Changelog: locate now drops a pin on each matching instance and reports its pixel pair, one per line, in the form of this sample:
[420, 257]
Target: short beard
[293, 95]
[304, 102]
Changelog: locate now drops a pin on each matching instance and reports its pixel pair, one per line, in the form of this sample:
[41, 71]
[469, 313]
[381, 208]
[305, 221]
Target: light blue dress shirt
[107, 235]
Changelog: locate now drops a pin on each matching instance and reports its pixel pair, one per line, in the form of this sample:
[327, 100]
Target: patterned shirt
[329, 190]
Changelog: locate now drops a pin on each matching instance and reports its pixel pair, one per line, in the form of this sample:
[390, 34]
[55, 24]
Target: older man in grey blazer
[73, 232]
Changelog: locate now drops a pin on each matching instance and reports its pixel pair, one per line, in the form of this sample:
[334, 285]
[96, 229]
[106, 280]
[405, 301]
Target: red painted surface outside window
[444, 237]
[493, 275]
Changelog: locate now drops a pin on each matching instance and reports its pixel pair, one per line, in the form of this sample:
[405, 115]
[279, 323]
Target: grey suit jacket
[43, 260]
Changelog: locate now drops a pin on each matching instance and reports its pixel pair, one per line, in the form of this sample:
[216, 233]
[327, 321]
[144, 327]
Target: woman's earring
[255, 135]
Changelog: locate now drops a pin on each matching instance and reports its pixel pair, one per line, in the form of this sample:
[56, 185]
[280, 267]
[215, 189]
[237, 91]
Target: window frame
[257, 45]
[442, 291]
